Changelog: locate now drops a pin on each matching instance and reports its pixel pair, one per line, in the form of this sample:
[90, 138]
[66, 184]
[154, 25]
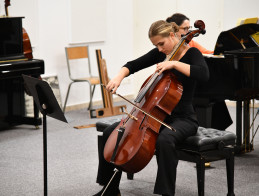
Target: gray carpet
[73, 163]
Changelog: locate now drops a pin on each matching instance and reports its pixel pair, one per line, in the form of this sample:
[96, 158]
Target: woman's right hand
[115, 82]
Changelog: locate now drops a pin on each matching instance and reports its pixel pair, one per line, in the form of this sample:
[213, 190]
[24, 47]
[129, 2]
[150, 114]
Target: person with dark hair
[184, 26]
[189, 67]
[220, 117]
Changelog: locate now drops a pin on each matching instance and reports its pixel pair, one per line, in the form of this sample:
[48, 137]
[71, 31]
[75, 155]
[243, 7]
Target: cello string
[166, 125]
[149, 83]
[161, 122]
[146, 87]
[155, 75]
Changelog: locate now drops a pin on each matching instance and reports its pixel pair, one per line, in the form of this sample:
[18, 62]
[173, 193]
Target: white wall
[48, 25]
[241, 9]
[115, 49]
[145, 13]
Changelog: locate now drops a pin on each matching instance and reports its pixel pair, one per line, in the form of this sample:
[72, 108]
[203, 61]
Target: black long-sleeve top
[198, 72]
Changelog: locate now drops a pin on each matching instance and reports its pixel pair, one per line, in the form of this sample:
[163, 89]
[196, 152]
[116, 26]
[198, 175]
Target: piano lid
[236, 38]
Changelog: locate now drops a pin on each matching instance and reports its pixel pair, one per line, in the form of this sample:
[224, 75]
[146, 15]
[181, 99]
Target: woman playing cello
[189, 67]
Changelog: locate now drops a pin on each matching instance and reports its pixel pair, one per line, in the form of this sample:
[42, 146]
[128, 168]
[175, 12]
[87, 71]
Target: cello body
[137, 145]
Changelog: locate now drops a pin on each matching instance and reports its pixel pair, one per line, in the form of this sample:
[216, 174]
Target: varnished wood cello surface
[27, 49]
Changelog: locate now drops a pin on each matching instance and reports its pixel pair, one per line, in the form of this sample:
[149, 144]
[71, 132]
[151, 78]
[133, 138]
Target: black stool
[206, 146]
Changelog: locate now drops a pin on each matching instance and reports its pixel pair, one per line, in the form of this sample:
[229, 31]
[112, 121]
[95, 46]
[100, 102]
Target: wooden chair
[108, 108]
[75, 56]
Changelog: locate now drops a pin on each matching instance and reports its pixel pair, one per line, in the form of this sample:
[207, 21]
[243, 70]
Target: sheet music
[213, 56]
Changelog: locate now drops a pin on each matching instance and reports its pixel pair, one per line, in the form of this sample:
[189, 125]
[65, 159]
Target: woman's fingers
[164, 66]
[112, 87]
[159, 68]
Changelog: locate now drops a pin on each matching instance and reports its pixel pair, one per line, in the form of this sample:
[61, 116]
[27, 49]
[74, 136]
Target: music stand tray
[47, 104]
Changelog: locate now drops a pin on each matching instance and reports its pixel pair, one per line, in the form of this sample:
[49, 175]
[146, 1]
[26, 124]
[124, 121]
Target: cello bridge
[131, 116]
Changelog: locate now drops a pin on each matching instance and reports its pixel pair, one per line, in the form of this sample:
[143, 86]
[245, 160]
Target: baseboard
[97, 103]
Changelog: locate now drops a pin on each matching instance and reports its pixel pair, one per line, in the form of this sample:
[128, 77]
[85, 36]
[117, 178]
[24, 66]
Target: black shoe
[110, 191]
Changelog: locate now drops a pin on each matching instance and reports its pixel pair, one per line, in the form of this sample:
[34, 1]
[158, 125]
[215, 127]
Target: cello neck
[176, 49]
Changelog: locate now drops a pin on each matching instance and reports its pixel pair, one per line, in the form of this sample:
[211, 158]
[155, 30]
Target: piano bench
[206, 146]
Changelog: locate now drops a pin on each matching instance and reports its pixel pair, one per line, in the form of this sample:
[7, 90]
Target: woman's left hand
[166, 65]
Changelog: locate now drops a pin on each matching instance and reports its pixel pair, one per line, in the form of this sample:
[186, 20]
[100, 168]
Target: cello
[131, 145]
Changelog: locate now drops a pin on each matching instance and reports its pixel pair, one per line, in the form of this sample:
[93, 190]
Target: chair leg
[230, 173]
[91, 96]
[200, 168]
[68, 91]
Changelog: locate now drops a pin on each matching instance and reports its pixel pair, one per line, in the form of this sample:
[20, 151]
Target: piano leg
[246, 127]
[243, 143]
[238, 126]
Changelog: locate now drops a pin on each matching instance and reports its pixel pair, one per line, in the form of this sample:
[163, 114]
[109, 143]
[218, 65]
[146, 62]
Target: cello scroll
[7, 3]
[201, 30]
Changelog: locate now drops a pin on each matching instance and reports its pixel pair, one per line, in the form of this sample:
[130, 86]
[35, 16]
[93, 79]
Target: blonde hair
[162, 28]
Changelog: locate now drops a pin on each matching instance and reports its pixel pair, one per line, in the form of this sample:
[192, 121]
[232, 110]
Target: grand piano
[14, 63]
[234, 75]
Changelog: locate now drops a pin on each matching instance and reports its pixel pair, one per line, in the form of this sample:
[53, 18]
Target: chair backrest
[77, 53]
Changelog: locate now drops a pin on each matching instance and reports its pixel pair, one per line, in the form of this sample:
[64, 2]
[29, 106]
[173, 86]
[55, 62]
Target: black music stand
[47, 104]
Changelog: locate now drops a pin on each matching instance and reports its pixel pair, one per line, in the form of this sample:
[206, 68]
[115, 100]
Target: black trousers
[166, 155]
